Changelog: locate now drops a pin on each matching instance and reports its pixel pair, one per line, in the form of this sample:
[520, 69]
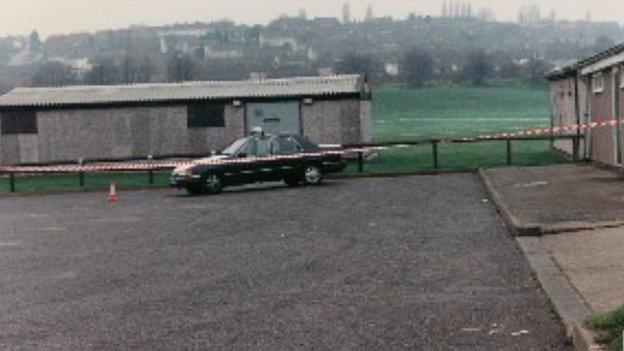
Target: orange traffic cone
[112, 195]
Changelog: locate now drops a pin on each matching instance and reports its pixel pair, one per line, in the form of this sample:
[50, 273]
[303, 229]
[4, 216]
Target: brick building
[40, 125]
[591, 90]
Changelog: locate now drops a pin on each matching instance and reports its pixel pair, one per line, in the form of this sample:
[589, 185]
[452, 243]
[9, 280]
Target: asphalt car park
[408, 263]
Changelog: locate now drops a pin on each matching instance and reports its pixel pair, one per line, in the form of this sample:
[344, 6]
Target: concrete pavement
[594, 263]
[558, 198]
[581, 267]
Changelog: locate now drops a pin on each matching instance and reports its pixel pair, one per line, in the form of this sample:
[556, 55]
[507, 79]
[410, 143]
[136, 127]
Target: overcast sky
[64, 16]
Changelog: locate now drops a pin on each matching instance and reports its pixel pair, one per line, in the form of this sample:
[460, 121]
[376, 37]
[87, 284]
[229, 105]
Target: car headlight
[181, 172]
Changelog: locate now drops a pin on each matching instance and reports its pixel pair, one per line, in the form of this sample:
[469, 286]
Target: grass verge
[48, 183]
[610, 326]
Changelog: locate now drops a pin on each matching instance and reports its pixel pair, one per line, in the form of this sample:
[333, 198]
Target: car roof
[271, 136]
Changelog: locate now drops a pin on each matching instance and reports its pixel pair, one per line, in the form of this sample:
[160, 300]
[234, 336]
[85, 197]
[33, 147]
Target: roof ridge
[181, 91]
[193, 83]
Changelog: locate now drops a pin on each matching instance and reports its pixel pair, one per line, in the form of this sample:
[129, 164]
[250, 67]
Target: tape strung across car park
[146, 165]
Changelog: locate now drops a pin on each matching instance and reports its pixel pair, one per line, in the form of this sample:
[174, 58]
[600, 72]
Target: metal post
[12, 182]
[360, 161]
[508, 151]
[150, 172]
[575, 148]
[434, 148]
[81, 176]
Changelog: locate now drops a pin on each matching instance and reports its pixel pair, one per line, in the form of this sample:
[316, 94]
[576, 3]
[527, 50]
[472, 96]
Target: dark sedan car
[259, 158]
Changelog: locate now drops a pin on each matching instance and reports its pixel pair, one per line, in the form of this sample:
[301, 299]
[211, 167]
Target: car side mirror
[242, 154]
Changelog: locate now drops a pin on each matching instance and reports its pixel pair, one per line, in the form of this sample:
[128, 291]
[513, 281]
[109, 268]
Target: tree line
[419, 66]
[414, 67]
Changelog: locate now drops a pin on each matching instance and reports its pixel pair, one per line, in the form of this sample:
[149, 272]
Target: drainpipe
[577, 142]
[616, 115]
[588, 116]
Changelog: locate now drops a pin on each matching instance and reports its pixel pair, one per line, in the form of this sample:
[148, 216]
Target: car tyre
[292, 181]
[213, 184]
[312, 175]
[194, 190]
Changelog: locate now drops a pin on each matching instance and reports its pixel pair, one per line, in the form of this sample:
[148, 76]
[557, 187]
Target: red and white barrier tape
[155, 165]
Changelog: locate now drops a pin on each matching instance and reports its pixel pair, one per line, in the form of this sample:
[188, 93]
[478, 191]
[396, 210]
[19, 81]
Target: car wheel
[194, 190]
[213, 183]
[312, 175]
[292, 181]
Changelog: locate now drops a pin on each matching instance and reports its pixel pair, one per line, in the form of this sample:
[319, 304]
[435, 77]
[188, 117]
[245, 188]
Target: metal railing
[150, 164]
[435, 142]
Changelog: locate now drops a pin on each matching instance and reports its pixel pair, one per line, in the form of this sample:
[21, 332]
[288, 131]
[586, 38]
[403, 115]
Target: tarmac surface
[409, 263]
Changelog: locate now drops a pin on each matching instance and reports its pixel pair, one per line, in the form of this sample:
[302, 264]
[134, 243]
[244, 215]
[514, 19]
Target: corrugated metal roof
[601, 55]
[199, 90]
[565, 71]
[572, 68]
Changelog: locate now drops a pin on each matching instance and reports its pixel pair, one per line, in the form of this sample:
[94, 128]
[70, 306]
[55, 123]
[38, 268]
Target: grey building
[40, 125]
[591, 92]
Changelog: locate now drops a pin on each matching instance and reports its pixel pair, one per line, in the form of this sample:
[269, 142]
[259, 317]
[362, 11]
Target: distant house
[39, 125]
[592, 91]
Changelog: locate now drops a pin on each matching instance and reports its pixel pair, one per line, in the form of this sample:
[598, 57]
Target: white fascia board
[602, 64]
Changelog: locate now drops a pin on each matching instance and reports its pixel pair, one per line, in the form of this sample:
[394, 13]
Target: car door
[286, 152]
[243, 166]
[260, 168]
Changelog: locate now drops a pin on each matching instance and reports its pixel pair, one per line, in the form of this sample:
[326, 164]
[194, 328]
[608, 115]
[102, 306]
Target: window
[598, 83]
[255, 147]
[18, 122]
[234, 147]
[259, 147]
[205, 115]
[622, 77]
[284, 146]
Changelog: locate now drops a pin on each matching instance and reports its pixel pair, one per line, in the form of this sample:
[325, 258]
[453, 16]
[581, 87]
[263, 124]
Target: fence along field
[400, 114]
[447, 112]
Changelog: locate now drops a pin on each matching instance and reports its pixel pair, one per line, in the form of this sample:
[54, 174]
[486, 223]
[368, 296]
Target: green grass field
[70, 182]
[438, 112]
[432, 112]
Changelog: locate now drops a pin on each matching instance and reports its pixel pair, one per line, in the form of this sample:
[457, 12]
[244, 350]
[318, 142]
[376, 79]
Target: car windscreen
[305, 143]
[233, 148]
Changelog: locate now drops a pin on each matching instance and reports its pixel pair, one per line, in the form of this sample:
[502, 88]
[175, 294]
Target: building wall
[366, 121]
[619, 95]
[95, 133]
[67, 135]
[332, 121]
[601, 146]
[562, 95]
[584, 115]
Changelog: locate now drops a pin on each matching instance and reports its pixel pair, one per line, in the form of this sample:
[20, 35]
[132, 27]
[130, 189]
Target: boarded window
[18, 122]
[205, 115]
[597, 83]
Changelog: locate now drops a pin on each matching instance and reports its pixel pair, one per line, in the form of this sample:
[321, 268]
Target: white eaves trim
[602, 64]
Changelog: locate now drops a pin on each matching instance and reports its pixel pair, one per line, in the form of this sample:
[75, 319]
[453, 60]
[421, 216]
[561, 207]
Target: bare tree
[53, 73]
[477, 68]
[104, 72]
[180, 67]
[359, 63]
[416, 66]
[137, 69]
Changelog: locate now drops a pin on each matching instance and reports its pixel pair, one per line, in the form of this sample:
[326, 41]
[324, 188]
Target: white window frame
[597, 83]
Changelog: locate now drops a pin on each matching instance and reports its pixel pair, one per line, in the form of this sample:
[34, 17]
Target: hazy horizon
[69, 16]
